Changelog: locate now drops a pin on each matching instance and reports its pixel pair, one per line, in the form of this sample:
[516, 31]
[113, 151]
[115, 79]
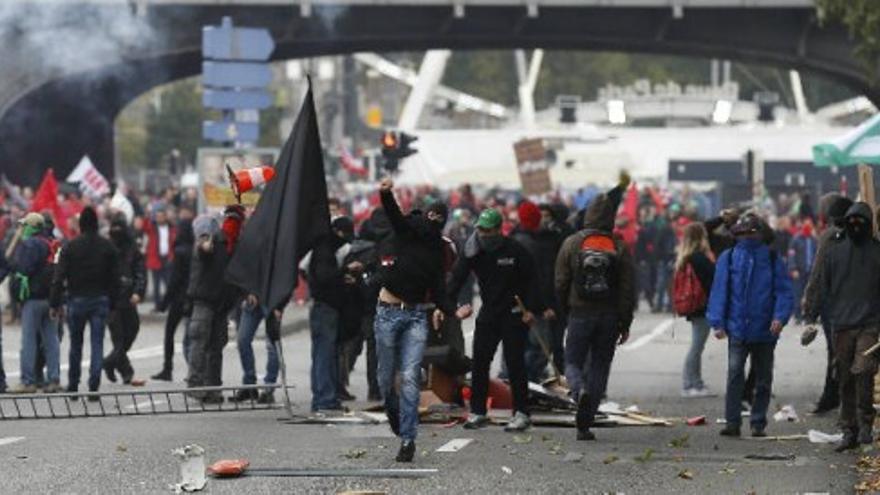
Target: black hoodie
[132, 272]
[411, 263]
[851, 277]
[180, 266]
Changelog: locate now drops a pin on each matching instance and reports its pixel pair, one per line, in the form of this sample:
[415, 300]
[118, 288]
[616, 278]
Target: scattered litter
[121, 448]
[355, 454]
[778, 438]
[138, 382]
[522, 439]
[610, 459]
[633, 409]
[573, 457]
[455, 445]
[686, 474]
[228, 468]
[610, 408]
[817, 436]
[727, 471]
[506, 470]
[680, 443]
[192, 468]
[787, 413]
[338, 473]
[546, 438]
[696, 421]
[720, 421]
[771, 457]
[646, 455]
[556, 449]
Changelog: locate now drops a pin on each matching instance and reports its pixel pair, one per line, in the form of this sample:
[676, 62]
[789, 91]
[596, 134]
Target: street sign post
[235, 75]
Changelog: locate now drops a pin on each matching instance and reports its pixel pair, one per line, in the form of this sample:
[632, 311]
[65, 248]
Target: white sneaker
[476, 421]
[687, 393]
[702, 392]
[519, 422]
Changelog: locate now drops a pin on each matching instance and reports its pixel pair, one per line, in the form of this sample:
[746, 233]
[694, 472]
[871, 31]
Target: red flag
[46, 199]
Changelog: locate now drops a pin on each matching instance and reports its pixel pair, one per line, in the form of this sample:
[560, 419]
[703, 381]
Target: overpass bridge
[70, 66]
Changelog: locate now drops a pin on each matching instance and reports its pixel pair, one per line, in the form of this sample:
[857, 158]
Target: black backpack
[596, 264]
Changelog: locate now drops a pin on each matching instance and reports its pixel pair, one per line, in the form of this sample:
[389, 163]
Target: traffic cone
[246, 179]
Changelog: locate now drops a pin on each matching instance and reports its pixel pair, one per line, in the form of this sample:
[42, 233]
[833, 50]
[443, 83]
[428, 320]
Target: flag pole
[276, 322]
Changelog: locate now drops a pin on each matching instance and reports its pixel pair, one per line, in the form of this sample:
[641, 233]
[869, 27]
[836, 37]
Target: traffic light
[396, 147]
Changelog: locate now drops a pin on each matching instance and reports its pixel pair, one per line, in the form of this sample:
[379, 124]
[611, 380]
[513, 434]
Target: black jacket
[503, 274]
[543, 246]
[851, 278]
[31, 261]
[411, 262]
[88, 266]
[207, 282]
[132, 272]
[325, 276]
[704, 269]
[180, 266]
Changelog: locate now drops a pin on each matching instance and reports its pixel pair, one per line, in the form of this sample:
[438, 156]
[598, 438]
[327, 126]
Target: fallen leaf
[610, 459]
[727, 471]
[522, 439]
[546, 438]
[556, 449]
[646, 455]
[355, 454]
[686, 474]
[680, 443]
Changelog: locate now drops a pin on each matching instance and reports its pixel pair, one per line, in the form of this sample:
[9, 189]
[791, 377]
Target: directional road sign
[236, 74]
[231, 43]
[228, 131]
[236, 100]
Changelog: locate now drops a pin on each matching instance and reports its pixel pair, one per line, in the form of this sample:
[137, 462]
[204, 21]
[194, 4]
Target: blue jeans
[693, 363]
[401, 335]
[82, 310]
[35, 321]
[324, 323]
[2, 371]
[247, 329]
[664, 273]
[589, 350]
[761, 357]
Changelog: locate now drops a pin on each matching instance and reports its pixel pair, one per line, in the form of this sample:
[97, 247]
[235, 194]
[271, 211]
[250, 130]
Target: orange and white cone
[247, 179]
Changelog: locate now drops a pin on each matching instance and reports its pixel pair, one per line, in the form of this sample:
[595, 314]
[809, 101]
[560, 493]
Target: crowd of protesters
[559, 282]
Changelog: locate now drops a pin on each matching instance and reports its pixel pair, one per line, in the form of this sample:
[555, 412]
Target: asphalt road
[132, 454]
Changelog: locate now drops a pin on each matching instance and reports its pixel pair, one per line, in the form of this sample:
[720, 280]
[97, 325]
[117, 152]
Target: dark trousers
[513, 333]
[589, 351]
[81, 311]
[124, 324]
[831, 392]
[353, 348]
[208, 334]
[856, 374]
[760, 355]
[160, 280]
[175, 315]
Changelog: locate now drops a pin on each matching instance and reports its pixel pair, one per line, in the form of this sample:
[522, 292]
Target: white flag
[90, 181]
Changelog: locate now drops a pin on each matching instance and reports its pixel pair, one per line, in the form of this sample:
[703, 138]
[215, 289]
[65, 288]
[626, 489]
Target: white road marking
[653, 334]
[146, 405]
[10, 440]
[455, 445]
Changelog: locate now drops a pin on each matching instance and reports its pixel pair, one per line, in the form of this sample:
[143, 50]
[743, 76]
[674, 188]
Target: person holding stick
[506, 274]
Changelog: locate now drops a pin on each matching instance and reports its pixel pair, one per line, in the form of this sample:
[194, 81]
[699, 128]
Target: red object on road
[229, 468]
[696, 421]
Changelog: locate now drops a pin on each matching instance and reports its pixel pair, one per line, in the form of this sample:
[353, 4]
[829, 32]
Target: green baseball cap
[489, 219]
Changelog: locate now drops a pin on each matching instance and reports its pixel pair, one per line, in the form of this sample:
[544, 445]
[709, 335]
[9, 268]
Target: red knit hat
[529, 215]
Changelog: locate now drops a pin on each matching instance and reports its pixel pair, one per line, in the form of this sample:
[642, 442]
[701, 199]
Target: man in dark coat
[176, 301]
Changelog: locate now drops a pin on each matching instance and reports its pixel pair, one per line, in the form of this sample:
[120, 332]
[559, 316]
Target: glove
[809, 335]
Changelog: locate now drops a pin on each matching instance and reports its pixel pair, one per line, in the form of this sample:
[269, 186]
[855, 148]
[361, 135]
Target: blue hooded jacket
[751, 289]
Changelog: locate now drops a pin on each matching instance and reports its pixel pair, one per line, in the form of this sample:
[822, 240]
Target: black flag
[291, 215]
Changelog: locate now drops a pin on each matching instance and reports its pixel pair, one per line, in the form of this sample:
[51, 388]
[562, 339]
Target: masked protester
[124, 321]
[31, 265]
[176, 301]
[832, 208]
[750, 303]
[212, 300]
[88, 267]
[851, 288]
[595, 284]
[508, 283]
[413, 285]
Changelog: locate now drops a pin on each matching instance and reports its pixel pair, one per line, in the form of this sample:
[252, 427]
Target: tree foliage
[862, 18]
